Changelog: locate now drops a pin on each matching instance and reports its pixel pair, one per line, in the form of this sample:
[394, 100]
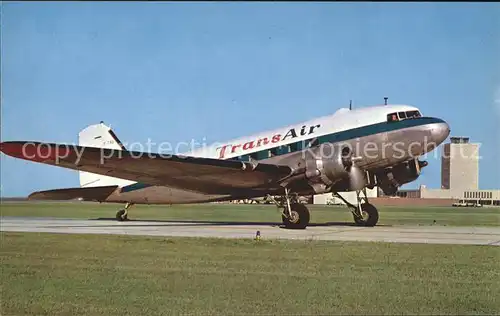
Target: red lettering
[276, 138]
[222, 151]
[248, 145]
[264, 140]
[234, 148]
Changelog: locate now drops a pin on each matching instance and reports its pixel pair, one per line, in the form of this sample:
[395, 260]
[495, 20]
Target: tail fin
[101, 136]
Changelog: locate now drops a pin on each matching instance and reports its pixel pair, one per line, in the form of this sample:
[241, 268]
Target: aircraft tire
[121, 216]
[301, 217]
[371, 212]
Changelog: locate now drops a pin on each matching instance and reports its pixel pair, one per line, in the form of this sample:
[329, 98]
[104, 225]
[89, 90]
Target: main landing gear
[122, 215]
[365, 214]
[295, 215]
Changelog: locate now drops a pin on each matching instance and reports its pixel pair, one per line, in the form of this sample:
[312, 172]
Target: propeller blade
[356, 178]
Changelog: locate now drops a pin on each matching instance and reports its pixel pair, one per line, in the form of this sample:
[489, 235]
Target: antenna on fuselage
[385, 100]
[350, 104]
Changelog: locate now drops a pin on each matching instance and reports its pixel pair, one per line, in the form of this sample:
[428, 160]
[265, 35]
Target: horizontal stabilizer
[98, 194]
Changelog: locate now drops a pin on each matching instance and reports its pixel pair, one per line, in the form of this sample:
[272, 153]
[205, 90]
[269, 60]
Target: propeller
[420, 164]
[357, 180]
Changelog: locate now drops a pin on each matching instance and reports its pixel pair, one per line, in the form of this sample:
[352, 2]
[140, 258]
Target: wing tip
[11, 148]
[34, 151]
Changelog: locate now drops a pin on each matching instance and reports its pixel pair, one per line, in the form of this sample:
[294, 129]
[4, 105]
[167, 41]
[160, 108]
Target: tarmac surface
[328, 231]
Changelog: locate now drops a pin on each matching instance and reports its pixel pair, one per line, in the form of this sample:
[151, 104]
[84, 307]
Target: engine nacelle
[408, 172]
[400, 174]
[327, 165]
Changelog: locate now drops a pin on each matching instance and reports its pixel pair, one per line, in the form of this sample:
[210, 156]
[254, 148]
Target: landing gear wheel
[121, 215]
[370, 215]
[300, 217]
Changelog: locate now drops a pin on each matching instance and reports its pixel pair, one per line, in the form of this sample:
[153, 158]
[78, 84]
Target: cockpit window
[393, 117]
[416, 114]
[413, 114]
[399, 116]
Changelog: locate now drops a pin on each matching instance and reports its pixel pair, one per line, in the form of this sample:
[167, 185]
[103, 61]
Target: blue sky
[215, 71]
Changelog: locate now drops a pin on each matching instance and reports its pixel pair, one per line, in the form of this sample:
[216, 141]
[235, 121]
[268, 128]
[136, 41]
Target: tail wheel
[369, 215]
[300, 217]
[121, 215]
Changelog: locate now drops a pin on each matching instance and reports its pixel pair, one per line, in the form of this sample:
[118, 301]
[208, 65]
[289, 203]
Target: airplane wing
[204, 175]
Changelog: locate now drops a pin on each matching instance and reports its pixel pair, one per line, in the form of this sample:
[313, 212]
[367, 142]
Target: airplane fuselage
[374, 134]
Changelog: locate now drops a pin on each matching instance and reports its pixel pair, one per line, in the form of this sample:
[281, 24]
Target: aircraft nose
[440, 131]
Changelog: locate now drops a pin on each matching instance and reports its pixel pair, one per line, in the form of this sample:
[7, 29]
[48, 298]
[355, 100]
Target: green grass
[254, 213]
[51, 274]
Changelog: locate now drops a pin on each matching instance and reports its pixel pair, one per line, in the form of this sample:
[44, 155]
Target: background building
[460, 166]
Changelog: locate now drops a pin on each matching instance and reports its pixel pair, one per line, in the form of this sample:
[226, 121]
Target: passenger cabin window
[283, 149]
[260, 155]
[314, 142]
[243, 158]
[274, 151]
[294, 147]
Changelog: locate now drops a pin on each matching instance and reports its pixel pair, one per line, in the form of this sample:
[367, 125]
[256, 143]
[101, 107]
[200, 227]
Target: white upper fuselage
[342, 120]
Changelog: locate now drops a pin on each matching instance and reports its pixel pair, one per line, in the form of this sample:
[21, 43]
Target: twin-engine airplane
[350, 150]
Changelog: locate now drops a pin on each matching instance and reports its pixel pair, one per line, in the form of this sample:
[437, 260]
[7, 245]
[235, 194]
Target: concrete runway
[332, 231]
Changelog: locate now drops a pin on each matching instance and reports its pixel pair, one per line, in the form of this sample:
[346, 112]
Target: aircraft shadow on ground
[215, 223]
